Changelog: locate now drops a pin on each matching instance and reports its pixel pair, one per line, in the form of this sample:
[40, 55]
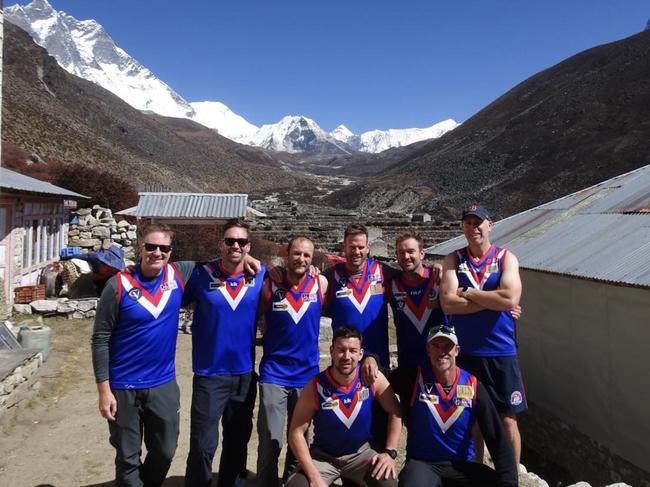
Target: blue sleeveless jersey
[342, 416]
[361, 304]
[440, 424]
[143, 345]
[486, 333]
[416, 308]
[291, 339]
[225, 315]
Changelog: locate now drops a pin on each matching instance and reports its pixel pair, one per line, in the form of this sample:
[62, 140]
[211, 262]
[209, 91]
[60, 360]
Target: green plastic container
[37, 336]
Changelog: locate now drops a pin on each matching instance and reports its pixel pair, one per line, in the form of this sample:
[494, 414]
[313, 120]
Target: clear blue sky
[367, 64]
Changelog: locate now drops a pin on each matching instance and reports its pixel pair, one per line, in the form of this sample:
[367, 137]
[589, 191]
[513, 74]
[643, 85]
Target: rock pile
[95, 228]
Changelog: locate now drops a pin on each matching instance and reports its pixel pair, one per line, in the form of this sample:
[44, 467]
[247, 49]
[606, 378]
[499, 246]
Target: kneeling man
[341, 409]
[441, 404]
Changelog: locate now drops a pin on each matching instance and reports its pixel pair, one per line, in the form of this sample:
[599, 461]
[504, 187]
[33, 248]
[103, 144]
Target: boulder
[87, 305]
[23, 309]
[44, 306]
[85, 235]
[131, 235]
[83, 211]
[64, 308]
[89, 242]
[101, 232]
[123, 224]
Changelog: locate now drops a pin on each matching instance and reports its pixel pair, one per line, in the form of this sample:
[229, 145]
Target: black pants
[229, 398]
[154, 414]
[417, 473]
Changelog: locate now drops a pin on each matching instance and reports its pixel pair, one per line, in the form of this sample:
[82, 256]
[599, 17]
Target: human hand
[436, 269]
[314, 271]
[383, 467]
[251, 265]
[107, 405]
[369, 371]
[516, 312]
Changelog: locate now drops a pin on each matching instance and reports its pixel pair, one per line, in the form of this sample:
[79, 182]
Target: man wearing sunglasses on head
[223, 343]
[133, 348]
[441, 404]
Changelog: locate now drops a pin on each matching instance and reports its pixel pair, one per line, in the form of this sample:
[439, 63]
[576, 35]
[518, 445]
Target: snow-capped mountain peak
[84, 48]
[380, 140]
[216, 115]
[296, 133]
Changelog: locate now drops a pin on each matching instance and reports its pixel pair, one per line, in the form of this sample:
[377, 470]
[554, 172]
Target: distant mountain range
[568, 127]
[85, 49]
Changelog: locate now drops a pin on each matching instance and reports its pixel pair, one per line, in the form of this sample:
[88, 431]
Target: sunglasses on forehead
[443, 328]
[231, 241]
[150, 247]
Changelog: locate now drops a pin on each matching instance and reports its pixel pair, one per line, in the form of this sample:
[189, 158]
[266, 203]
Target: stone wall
[71, 308]
[16, 385]
[584, 457]
[95, 229]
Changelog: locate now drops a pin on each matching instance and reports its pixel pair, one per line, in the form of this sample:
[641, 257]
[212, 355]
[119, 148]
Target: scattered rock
[44, 306]
[24, 309]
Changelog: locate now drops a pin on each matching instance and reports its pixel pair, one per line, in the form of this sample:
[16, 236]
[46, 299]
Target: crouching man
[341, 409]
[441, 405]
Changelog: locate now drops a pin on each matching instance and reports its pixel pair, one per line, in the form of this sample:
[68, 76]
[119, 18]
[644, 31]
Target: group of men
[470, 302]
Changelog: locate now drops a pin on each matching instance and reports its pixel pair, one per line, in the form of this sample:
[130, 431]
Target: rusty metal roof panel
[217, 206]
[600, 233]
[11, 180]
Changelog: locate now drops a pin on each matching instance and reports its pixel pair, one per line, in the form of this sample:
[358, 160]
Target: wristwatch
[391, 453]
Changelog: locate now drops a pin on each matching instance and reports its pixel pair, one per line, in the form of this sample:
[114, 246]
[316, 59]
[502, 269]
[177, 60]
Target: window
[43, 239]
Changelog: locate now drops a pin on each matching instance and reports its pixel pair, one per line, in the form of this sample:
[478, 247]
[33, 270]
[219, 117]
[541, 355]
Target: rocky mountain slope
[572, 125]
[53, 114]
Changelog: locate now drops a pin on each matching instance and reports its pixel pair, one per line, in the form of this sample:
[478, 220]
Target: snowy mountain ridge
[84, 49]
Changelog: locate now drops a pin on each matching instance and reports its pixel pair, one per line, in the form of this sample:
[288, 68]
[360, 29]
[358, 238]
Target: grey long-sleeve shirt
[108, 317]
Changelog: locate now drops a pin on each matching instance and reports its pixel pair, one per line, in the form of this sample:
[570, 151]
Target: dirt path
[57, 438]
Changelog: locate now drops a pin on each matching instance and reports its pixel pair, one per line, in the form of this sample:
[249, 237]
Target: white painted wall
[585, 356]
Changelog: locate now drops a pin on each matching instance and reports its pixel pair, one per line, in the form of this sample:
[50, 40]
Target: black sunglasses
[150, 247]
[231, 241]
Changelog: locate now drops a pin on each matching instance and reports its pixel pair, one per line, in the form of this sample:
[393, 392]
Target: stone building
[33, 225]
[584, 333]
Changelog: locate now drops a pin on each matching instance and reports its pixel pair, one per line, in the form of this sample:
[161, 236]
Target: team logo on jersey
[250, 281]
[216, 283]
[432, 398]
[363, 394]
[400, 305]
[280, 306]
[280, 294]
[309, 297]
[462, 402]
[135, 293]
[516, 398]
[343, 281]
[168, 286]
[343, 293]
[465, 392]
[330, 404]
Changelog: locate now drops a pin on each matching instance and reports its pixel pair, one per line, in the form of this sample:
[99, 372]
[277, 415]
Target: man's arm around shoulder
[383, 464]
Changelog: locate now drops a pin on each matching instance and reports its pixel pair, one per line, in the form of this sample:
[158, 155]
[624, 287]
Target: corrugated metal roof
[602, 232]
[19, 182]
[206, 206]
